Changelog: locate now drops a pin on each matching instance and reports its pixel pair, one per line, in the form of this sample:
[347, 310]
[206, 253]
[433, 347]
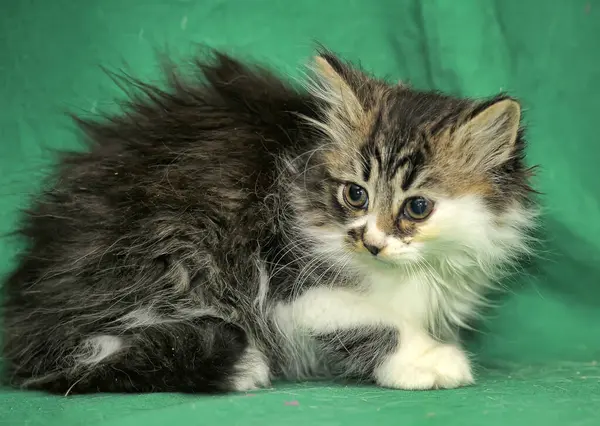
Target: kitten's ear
[333, 71]
[494, 131]
[338, 85]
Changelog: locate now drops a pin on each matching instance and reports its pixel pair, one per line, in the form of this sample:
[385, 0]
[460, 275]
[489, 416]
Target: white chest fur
[411, 299]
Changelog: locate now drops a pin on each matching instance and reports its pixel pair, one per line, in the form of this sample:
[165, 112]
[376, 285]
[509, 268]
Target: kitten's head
[402, 176]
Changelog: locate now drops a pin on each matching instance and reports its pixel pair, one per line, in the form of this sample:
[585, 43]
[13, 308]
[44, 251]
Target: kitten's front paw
[442, 366]
[252, 372]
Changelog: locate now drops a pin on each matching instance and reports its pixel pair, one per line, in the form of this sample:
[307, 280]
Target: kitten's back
[145, 215]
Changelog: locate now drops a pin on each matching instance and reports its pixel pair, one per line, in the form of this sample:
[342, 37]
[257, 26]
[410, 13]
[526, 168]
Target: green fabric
[539, 348]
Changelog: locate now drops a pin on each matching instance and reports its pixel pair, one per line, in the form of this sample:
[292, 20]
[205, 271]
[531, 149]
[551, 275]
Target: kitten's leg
[356, 353]
[203, 355]
[364, 340]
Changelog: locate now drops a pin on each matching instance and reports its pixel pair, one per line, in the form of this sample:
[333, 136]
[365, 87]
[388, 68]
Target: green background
[538, 351]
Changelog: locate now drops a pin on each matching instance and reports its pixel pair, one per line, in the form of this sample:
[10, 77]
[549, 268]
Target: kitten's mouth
[383, 261]
[378, 261]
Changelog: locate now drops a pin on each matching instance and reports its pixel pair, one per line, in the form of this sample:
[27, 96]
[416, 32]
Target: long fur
[202, 243]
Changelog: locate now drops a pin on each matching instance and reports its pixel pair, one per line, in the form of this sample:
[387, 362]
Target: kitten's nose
[373, 249]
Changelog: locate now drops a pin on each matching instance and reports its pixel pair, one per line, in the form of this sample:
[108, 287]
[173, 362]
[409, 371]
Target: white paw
[253, 372]
[442, 366]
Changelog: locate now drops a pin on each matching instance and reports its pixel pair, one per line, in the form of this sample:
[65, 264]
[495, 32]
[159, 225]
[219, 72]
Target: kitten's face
[395, 218]
[405, 177]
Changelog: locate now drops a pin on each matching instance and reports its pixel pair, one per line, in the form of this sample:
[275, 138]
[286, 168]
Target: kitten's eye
[418, 208]
[356, 196]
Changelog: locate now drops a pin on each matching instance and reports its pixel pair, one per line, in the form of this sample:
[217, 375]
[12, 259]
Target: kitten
[233, 229]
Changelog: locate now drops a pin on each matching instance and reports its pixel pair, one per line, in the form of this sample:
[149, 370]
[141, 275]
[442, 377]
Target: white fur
[95, 349]
[297, 347]
[373, 235]
[425, 364]
[182, 282]
[263, 286]
[252, 371]
[436, 284]
[146, 317]
[446, 276]
[419, 362]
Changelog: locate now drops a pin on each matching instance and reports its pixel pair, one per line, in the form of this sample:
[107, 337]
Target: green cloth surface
[538, 352]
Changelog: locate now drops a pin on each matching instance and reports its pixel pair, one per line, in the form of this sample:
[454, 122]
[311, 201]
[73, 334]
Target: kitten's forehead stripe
[377, 125]
[366, 163]
[401, 162]
[414, 166]
[392, 154]
[370, 150]
[443, 122]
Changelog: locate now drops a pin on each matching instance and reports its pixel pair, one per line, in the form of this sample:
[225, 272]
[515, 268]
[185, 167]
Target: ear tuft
[494, 130]
[331, 65]
[327, 71]
[501, 118]
[335, 87]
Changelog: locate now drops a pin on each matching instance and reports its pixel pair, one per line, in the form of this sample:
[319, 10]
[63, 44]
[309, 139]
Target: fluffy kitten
[232, 229]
